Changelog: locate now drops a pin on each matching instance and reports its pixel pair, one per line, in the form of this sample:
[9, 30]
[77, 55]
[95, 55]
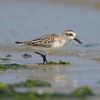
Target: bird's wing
[43, 41]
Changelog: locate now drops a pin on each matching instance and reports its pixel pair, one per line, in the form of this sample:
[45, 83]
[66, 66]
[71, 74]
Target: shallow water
[25, 21]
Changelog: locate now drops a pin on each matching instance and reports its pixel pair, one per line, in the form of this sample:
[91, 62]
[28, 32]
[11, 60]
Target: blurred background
[28, 19]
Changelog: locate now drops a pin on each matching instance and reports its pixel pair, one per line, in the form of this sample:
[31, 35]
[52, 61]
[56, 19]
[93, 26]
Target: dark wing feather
[43, 41]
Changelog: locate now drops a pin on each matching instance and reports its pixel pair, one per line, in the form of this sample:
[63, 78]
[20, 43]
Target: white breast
[59, 43]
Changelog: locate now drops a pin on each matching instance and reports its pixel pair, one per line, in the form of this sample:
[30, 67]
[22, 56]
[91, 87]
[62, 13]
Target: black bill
[78, 40]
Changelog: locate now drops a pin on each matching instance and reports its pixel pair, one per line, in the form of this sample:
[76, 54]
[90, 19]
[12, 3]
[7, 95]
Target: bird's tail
[19, 43]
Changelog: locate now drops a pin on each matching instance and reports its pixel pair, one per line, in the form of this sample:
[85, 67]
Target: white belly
[58, 44]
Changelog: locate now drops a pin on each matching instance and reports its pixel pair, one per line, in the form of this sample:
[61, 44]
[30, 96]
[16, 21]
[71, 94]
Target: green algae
[8, 92]
[3, 86]
[32, 83]
[60, 62]
[64, 63]
[11, 66]
[18, 66]
[4, 59]
[82, 91]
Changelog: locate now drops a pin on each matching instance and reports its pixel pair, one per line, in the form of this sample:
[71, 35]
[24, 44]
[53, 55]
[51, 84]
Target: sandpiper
[50, 42]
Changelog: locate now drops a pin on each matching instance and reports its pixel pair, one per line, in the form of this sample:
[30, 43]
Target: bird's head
[71, 35]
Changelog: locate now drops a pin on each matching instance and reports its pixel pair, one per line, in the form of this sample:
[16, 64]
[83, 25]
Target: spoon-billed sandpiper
[50, 42]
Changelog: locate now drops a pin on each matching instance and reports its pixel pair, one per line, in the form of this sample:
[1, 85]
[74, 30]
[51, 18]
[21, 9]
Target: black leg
[43, 56]
[45, 59]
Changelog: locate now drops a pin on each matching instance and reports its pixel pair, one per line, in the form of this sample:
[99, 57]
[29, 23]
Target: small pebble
[26, 56]
[96, 58]
[8, 55]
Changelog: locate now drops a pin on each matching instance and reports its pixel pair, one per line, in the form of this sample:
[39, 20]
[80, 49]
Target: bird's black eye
[70, 34]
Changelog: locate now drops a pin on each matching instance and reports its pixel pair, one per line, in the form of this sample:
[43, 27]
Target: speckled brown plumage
[43, 41]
